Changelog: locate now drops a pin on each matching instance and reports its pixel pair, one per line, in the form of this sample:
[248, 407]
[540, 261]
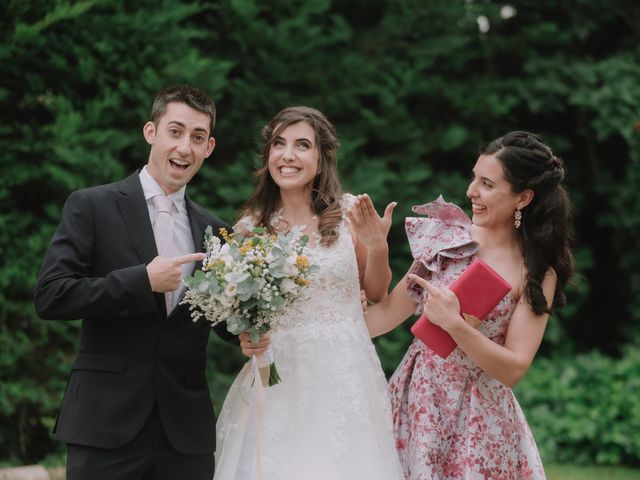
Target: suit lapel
[198, 224]
[135, 213]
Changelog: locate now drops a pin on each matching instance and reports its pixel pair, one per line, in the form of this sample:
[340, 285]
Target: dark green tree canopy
[413, 87]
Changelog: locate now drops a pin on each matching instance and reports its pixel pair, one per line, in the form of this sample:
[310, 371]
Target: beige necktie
[163, 232]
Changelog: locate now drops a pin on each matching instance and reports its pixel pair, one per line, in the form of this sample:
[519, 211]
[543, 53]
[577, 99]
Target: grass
[573, 472]
[554, 472]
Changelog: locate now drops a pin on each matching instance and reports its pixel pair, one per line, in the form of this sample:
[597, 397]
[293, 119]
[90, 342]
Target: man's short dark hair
[190, 96]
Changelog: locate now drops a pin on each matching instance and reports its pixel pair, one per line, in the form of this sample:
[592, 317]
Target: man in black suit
[137, 405]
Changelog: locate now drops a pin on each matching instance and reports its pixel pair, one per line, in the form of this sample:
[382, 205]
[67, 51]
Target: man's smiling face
[179, 142]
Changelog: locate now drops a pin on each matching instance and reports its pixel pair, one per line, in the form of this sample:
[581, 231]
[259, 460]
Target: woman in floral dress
[457, 417]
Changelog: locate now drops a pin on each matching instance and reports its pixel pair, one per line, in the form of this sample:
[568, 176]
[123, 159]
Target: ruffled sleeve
[434, 241]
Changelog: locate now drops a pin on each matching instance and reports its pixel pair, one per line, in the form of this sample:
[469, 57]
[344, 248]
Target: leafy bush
[585, 408]
[413, 88]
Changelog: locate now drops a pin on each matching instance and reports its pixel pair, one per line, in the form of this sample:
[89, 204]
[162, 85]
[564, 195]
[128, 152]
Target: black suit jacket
[131, 355]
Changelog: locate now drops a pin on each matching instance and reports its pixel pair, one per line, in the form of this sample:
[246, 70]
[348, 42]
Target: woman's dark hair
[546, 234]
[326, 190]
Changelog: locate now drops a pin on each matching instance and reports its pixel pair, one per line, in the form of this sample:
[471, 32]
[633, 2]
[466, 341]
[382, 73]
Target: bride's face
[293, 157]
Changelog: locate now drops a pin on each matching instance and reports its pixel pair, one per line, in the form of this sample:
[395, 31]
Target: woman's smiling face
[493, 202]
[293, 157]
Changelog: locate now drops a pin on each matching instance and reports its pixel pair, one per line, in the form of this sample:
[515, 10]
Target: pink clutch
[479, 289]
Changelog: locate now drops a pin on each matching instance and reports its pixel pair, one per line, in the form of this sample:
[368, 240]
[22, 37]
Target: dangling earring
[517, 218]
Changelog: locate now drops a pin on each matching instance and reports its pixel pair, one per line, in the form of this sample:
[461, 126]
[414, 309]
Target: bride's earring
[517, 218]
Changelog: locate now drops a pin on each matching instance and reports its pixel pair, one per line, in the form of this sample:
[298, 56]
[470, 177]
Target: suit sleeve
[68, 289]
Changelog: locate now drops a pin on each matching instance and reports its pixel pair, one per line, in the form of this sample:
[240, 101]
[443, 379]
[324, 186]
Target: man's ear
[149, 132]
[525, 198]
[210, 146]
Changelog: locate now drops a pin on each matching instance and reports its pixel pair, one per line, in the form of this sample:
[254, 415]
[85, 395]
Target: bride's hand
[371, 229]
[249, 348]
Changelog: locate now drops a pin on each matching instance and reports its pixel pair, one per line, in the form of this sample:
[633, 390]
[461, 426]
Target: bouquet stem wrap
[267, 368]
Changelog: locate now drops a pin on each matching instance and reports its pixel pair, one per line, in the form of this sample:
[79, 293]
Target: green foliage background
[413, 87]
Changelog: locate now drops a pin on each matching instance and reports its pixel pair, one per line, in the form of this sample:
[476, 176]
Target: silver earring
[517, 218]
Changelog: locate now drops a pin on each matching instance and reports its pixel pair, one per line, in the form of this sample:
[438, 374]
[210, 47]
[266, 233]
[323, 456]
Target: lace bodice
[334, 293]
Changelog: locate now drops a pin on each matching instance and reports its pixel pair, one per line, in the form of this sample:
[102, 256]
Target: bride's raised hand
[371, 229]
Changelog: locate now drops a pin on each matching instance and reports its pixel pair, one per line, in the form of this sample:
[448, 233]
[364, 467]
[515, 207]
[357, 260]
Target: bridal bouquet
[248, 280]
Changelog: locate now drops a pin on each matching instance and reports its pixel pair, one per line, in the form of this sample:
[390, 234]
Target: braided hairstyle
[326, 190]
[546, 234]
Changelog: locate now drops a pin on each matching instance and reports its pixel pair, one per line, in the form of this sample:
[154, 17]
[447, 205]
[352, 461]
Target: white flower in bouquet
[248, 280]
[288, 285]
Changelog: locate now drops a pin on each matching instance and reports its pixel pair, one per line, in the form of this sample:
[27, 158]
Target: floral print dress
[452, 420]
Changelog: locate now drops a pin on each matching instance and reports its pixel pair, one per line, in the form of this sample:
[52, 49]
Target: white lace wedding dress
[329, 417]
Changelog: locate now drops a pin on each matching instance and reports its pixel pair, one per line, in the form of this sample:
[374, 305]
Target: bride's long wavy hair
[546, 234]
[326, 190]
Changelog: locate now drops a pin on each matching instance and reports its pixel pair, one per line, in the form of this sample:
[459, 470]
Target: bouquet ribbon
[252, 391]
[264, 362]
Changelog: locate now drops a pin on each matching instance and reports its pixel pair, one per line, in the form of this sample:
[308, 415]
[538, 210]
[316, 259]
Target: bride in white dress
[329, 417]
